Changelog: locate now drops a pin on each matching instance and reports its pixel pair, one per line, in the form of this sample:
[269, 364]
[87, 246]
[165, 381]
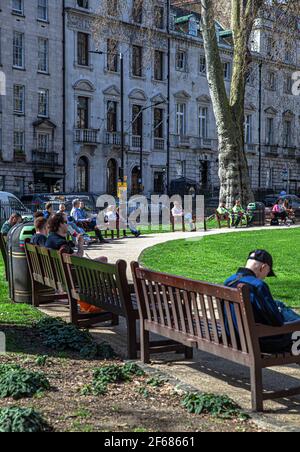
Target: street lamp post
[142, 140]
[121, 58]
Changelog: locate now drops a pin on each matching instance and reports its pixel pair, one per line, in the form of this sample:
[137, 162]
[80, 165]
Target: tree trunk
[229, 112]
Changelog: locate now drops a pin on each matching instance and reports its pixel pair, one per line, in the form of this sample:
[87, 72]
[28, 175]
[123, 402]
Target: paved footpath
[205, 372]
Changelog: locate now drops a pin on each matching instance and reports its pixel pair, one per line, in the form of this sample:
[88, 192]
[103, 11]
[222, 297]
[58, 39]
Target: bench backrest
[46, 267]
[99, 284]
[204, 313]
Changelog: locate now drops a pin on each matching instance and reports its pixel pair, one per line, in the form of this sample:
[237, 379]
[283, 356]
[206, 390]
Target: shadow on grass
[25, 340]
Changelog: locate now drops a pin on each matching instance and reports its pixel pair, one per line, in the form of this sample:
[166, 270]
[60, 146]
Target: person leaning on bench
[14, 219]
[40, 236]
[58, 232]
[266, 310]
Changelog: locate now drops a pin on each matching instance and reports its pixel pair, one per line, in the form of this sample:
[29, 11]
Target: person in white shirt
[178, 212]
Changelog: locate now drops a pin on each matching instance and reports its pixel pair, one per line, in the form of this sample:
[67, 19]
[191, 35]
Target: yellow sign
[122, 189]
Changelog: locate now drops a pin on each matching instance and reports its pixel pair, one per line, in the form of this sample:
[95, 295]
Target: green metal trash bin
[20, 290]
[258, 212]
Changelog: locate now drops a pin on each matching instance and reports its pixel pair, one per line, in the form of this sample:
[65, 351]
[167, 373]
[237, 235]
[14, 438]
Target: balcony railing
[86, 136]
[251, 148]
[290, 152]
[19, 156]
[112, 138]
[136, 141]
[180, 140]
[272, 150]
[159, 144]
[44, 158]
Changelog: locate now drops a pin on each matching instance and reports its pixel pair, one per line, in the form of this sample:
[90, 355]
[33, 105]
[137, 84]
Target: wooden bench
[219, 218]
[47, 277]
[200, 315]
[3, 249]
[106, 286]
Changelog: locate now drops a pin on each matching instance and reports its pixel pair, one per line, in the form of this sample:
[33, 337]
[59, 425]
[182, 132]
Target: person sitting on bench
[41, 232]
[222, 212]
[266, 310]
[79, 215]
[239, 214]
[14, 219]
[58, 232]
[279, 212]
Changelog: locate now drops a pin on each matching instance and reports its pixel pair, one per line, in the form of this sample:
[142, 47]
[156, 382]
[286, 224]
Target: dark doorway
[83, 175]
[159, 183]
[204, 175]
[112, 177]
[135, 181]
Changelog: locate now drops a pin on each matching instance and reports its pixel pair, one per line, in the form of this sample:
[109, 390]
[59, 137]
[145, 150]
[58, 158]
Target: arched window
[83, 175]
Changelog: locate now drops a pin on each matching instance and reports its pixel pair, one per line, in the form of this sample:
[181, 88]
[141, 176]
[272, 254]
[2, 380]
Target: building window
[181, 60]
[181, 119]
[159, 17]
[271, 81]
[137, 61]
[83, 4]
[288, 84]
[249, 129]
[227, 71]
[287, 134]
[43, 55]
[202, 65]
[43, 10]
[112, 116]
[19, 140]
[43, 107]
[112, 55]
[137, 11]
[18, 7]
[137, 120]
[203, 122]
[43, 142]
[83, 49]
[270, 131]
[18, 50]
[19, 99]
[158, 123]
[159, 65]
[83, 113]
[181, 168]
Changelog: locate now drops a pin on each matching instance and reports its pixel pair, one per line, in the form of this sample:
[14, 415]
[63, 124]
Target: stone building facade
[31, 115]
[93, 92]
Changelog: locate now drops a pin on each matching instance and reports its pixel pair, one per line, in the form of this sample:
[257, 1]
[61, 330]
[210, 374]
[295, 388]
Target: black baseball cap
[264, 257]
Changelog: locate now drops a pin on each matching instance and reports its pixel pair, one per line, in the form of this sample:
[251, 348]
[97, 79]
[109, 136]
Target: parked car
[9, 204]
[35, 202]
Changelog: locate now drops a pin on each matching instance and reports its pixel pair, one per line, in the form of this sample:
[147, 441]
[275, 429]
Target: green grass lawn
[11, 313]
[214, 258]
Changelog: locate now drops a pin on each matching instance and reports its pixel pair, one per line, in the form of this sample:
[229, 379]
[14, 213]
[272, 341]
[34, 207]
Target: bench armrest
[271, 331]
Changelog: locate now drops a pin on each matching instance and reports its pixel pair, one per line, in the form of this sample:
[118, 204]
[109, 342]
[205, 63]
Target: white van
[9, 204]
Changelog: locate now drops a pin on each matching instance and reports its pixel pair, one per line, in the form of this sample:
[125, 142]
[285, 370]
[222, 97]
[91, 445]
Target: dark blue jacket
[266, 310]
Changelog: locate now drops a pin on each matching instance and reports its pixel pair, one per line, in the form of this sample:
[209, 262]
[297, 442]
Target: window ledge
[17, 68]
[90, 67]
[16, 14]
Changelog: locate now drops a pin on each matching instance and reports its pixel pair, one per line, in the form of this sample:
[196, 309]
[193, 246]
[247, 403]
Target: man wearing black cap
[266, 310]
